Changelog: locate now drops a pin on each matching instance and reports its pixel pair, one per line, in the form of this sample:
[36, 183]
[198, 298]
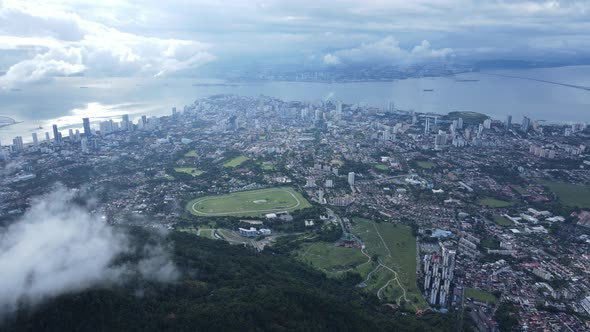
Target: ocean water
[65, 101]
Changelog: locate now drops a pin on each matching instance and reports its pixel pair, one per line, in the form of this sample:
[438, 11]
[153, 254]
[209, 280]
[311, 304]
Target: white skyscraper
[427, 126]
[47, 138]
[351, 178]
[35, 140]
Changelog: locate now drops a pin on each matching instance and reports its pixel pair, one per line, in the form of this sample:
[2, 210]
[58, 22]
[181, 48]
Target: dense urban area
[482, 221]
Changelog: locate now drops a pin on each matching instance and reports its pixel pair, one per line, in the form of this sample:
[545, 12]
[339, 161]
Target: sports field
[249, 203]
[237, 161]
[480, 296]
[570, 194]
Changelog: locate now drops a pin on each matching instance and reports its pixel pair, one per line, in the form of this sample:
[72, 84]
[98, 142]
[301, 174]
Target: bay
[65, 101]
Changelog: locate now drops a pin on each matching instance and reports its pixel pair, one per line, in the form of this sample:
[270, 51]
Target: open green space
[520, 189]
[395, 246]
[569, 194]
[426, 164]
[502, 221]
[392, 277]
[381, 167]
[191, 154]
[481, 296]
[235, 162]
[188, 170]
[494, 203]
[249, 203]
[330, 258]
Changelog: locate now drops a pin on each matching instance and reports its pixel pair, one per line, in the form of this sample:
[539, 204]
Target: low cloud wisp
[58, 247]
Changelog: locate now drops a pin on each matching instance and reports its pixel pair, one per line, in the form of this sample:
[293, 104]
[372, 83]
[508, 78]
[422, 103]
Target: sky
[42, 39]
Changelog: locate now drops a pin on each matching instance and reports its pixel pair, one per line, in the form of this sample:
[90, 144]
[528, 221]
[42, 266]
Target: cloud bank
[68, 44]
[387, 51]
[57, 247]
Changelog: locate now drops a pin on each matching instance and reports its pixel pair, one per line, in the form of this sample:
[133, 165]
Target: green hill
[224, 288]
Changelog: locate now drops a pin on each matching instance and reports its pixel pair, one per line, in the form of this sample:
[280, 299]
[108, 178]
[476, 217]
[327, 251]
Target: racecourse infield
[249, 203]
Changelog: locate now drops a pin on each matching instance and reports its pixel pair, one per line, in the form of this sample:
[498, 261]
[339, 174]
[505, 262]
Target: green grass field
[191, 154]
[480, 296]
[570, 194]
[249, 203]
[494, 203]
[396, 247]
[330, 258]
[381, 167]
[425, 164]
[502, 221]
[237, 161]
[188, 170]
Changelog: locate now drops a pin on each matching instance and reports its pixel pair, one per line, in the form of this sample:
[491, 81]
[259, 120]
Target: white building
[351, 177]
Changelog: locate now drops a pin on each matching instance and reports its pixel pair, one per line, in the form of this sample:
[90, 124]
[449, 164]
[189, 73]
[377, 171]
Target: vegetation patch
[249, 203]
[330, 258]
[191, 154]
[570, 194]
[395, 247]
[480, 296]
[494, 203]
[468, 117]
[426, 164]
[188, 170]
[235, 162]
[381, 167]
[502, 221]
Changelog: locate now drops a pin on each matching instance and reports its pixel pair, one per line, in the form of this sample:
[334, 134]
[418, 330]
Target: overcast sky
[40, 39]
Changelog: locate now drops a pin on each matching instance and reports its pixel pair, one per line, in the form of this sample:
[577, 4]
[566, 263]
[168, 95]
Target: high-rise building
[87, 130]
[460, 123]
[56, 135]
[77, 135]
[427, 126]
[440, 140]
[84, 145]
[509, 122]
[126, 124]
[35, 140]
[351, 176]
[526, 124]
[47, 139]
[71, 135]
[487, 123]
[17, 142]
[438, 274]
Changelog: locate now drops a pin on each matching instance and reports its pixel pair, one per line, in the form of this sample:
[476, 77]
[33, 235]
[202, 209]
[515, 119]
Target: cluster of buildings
[433, 171]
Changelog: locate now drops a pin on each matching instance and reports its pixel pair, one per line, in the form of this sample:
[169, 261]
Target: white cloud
[55, 62]
[330, 59]
[58, 247]
[73, 45]
[389, 51]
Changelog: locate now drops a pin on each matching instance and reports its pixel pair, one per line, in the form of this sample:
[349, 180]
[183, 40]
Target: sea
[553, 95]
